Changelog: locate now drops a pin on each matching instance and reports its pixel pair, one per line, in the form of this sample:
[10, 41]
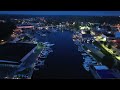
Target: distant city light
[2, 40]
[109, 32]
[73, 23]
[88, 50]
[84, 27]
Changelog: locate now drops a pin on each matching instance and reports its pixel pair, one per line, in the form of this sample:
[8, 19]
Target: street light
[2, 40]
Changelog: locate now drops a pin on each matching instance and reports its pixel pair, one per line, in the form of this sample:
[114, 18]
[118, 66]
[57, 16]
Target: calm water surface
[65, 62]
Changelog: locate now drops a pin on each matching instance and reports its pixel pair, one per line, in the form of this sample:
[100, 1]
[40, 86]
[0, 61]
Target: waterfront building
[12, 56]
[103, 72]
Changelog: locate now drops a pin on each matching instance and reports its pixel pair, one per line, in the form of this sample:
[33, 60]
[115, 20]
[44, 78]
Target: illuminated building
[103, 72]
[25, 26]
[84, 27]
[87, 36]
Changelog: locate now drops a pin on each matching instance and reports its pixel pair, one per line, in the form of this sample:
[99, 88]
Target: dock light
[2, 40]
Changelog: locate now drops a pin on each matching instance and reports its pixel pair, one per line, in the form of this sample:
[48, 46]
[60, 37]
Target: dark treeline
[6, 30]
[70, 18]
[92, 19]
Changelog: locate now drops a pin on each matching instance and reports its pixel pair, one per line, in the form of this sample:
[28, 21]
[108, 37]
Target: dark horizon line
[63, 15]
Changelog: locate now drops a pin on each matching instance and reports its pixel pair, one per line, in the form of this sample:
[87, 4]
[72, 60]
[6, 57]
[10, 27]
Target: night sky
[90, 13]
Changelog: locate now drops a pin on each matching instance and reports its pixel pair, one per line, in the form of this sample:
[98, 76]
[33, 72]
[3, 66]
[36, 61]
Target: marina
[59, 46]
[65, 62]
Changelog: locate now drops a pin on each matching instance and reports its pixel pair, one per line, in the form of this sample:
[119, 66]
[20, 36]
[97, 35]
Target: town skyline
[89, 13]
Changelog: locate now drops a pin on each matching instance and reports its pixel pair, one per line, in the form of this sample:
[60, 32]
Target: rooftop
[101, 67]
[14, 52]
[106, 74]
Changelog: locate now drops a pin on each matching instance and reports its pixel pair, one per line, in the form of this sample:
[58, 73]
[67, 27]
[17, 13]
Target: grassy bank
[105, 50]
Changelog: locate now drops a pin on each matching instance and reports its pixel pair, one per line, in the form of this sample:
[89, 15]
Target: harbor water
[65, 62]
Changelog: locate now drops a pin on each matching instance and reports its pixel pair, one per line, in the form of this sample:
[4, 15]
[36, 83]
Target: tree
[109, 46]
[114, 51]
[102, 42]
[6, 30]
[88, 32]
[76, 26]
[105, 43]
[109, 28]
[26, 38]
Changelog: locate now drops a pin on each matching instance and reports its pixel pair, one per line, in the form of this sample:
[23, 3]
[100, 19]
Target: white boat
[49, 45]
[90, 62]
[44, 52]
[86, 67]
[41, 63]
[44, 43]
[86, 57]
[93, 61]
[48, 49]
[43, 56]
[84, 54]
[36, 68]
